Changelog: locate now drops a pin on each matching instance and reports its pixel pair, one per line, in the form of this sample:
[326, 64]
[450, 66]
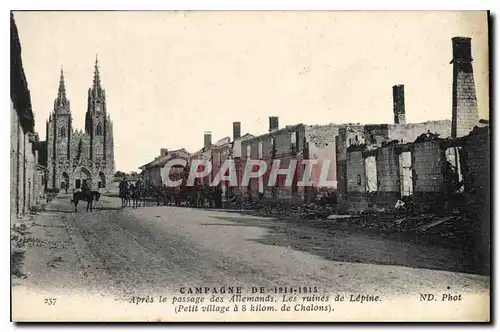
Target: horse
[86, 196]
[143, 193]
[137, 196]
[125, 196]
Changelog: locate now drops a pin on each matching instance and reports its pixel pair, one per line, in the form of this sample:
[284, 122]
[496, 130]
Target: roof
[223, 141]
[162, 160]
[143, 167]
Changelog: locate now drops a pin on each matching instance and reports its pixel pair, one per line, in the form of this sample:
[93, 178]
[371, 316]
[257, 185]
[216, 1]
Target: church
[76, 157]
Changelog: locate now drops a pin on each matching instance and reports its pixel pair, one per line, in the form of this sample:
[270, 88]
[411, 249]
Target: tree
[120, 174]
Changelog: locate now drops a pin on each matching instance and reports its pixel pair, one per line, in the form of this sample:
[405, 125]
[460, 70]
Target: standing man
[85, 186]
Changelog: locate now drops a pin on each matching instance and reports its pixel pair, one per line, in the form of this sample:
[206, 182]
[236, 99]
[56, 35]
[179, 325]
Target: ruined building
[415, 161]
[328, 145]
[75, 157]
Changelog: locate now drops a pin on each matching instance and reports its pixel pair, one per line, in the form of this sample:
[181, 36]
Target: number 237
[50, 301]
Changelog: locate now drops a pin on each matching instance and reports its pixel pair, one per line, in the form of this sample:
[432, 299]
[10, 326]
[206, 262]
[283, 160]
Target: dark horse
[138, 196]
[86, 196]
[125, 196]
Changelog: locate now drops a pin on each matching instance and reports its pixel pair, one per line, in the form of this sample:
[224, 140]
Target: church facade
[76, 157]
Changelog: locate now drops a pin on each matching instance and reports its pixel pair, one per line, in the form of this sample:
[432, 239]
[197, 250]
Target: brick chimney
[464, 104]
[207, 140]
[398, 102]
[236, 130]
[163, 152]
[273, 123]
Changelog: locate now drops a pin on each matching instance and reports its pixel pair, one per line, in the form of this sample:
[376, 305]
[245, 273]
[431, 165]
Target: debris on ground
[433, 223]
[338, 216]
[453, 226]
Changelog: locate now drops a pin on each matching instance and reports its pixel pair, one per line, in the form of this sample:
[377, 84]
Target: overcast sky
[170, 76]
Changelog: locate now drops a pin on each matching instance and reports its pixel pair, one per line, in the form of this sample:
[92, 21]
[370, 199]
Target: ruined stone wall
[427, 167]
[250, 151]
[356, 177]
[346, 135]
[477, 158]
[388, 169]
[477, 181]
[409, 132]
[261, 149]
[427, 173]
[220, 154]
[321, 142]
[388, 178]
[376, 134]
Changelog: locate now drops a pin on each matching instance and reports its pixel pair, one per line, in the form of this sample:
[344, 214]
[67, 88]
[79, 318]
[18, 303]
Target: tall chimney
[464, 114]
[398, 102]
[273, 123]
[207, 140]
[236, 130]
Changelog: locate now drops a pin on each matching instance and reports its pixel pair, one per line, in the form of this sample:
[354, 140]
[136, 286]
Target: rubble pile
[461, 228]
[456, 227]
[301, 211]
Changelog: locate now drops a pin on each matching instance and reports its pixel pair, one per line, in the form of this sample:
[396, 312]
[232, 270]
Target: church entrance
[83, 177]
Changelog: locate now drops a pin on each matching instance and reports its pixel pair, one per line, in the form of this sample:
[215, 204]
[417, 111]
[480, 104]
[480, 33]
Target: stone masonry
[464, 110]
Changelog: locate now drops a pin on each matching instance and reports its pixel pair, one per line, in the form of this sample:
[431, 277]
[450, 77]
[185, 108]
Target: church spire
[61, 103]
[97, 79]
[61, 95]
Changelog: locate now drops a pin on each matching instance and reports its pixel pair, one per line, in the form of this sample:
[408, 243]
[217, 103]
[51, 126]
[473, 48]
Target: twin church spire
[95, 93]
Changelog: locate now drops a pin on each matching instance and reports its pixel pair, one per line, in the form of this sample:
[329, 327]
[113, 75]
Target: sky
[172, 75]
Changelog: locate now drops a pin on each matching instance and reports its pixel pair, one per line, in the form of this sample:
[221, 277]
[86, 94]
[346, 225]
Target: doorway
[405, 174]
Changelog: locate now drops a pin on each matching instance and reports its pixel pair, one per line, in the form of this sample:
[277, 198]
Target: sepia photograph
[250, 166]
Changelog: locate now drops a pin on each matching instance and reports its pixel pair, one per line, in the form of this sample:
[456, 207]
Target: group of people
[132, 193]
[194, 196]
